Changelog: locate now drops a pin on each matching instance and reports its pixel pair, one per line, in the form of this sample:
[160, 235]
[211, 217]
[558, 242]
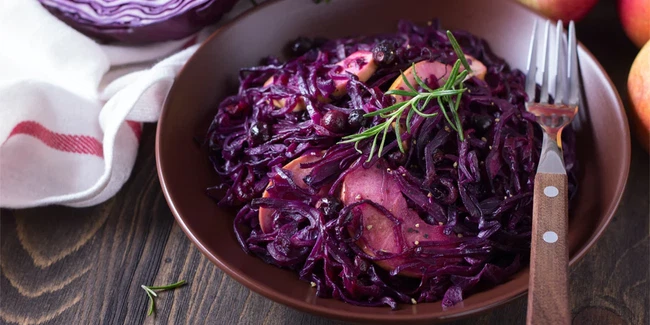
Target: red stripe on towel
[136, 127]
[63, 142]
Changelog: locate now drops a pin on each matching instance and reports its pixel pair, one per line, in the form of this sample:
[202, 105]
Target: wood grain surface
[85, 266]
[548, 297]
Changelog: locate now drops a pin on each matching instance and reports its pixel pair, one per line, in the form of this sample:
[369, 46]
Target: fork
[548, 299]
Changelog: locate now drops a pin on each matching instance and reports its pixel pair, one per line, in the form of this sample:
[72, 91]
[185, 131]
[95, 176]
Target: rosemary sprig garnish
[448, 97]
[458, 50]
[151, 293]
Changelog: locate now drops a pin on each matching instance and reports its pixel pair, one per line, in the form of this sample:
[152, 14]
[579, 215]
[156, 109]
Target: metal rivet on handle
[551, 191]
[550, 237]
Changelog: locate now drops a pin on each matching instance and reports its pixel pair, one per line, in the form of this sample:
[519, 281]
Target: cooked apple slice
[434, 69]
[265, 214]
[359, 63]
[377, 185]
[478, 68]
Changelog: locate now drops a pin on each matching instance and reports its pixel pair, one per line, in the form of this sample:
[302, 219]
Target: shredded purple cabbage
[479, 189]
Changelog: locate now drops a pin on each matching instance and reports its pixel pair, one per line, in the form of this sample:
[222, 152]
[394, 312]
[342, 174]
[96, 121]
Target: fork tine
[532, 65]
[543, 97]
[572, 69]
[561, 63]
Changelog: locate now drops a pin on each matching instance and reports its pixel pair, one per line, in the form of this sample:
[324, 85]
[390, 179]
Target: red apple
[562, 9]
[638, 86]
[635, 17]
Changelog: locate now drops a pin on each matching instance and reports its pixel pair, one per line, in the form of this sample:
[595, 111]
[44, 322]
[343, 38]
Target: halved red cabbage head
[138, 22]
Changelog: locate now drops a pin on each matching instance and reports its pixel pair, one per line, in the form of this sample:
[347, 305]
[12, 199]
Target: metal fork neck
[551, 160]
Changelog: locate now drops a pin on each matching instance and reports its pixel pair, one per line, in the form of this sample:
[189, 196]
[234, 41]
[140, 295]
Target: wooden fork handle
[548, 299]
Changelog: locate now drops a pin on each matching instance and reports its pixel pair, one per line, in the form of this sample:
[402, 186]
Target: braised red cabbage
[479, 189]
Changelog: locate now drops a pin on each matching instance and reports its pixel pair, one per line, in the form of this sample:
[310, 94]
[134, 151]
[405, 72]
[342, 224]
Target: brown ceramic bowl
[211, 74]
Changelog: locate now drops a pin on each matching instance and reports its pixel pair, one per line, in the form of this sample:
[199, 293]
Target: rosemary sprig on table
[448, 97]
[151, 293]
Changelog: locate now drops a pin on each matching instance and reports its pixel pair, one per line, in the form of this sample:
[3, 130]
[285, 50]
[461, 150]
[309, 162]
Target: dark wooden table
[85, 266]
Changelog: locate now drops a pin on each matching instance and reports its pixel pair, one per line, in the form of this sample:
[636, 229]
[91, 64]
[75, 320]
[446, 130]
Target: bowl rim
[449, 315]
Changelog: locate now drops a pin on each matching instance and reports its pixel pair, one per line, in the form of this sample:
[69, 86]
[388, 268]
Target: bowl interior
[211, 74]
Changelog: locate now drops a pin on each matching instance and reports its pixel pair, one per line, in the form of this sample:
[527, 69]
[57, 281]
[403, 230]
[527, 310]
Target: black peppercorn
[397, 158]
[384, 52]
[259, 133]
[301, 45]
[481, 123]
[329, 205]
[356, 119]
[335, 121]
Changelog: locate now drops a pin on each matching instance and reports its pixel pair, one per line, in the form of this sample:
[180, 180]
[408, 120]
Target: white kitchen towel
[71, 109]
